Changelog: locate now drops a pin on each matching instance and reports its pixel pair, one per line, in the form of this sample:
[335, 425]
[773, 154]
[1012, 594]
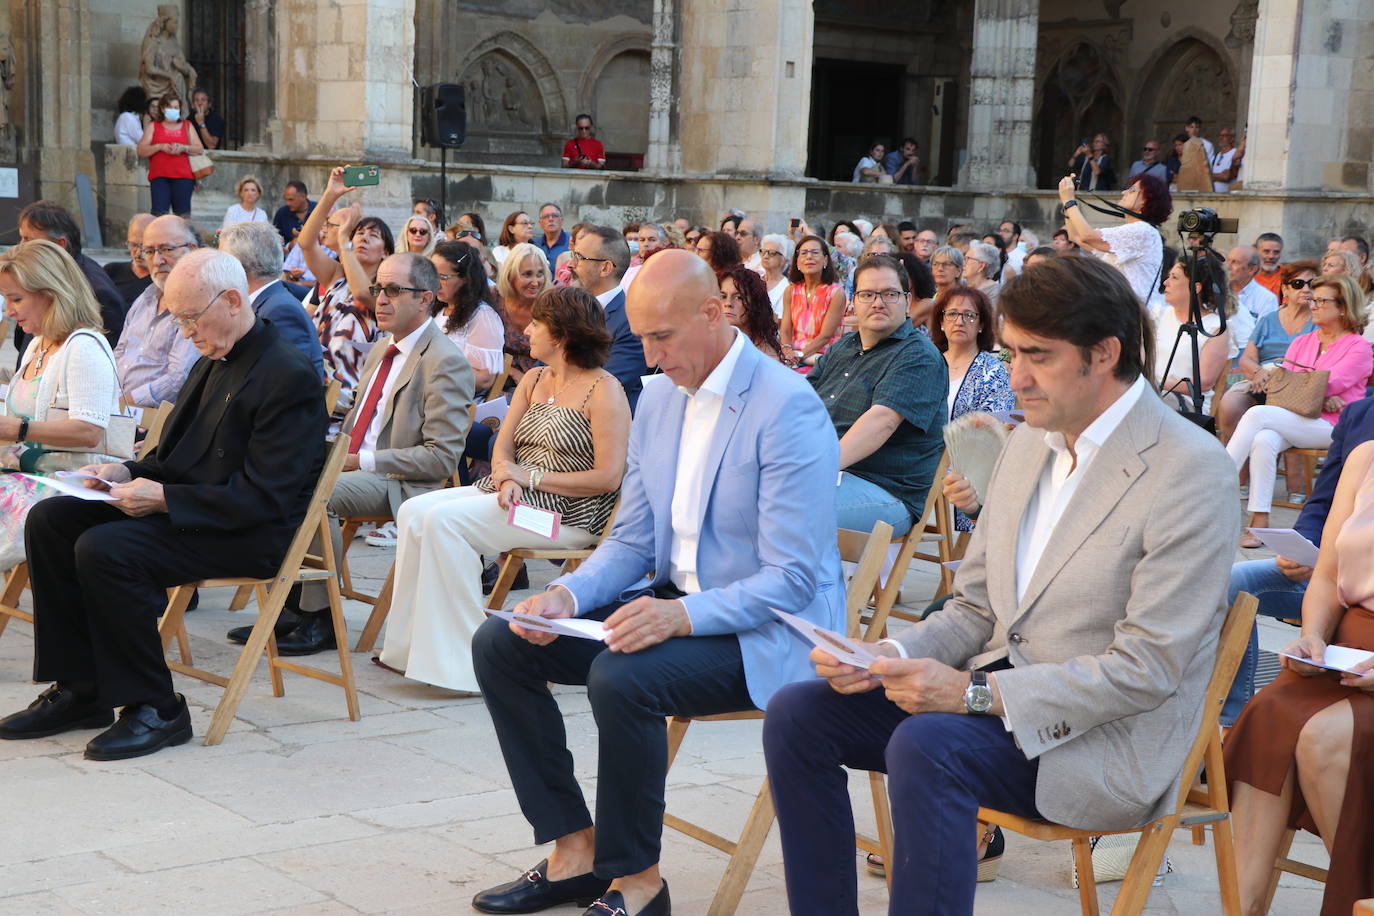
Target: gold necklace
[553, 397]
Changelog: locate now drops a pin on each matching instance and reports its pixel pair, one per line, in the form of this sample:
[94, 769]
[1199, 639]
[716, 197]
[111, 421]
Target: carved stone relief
[502, 96]
[1193, 81]
[162, 67]
[1243, 24]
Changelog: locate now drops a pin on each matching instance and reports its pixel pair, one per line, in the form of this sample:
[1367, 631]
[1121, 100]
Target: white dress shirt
[689, 487]
[606, 297]
[1059, 481]
[367, 458]
[1257, 299]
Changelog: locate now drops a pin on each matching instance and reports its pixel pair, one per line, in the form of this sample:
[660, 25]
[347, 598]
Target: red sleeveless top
[166, 165]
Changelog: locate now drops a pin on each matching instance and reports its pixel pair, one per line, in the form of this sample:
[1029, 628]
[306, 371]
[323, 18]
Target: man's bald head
[674, 307]
[166, 240]
[139, 221]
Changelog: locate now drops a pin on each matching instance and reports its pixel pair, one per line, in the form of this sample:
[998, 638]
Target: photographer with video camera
[1135, 248]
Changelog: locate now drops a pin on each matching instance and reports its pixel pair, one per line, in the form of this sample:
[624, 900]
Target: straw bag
[201, 166]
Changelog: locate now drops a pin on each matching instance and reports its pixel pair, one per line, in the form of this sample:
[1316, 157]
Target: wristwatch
[978, 695]
[1070, 204]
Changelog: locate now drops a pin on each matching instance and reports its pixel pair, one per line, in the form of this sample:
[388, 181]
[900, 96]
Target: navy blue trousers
[630, 695]
[941, 767]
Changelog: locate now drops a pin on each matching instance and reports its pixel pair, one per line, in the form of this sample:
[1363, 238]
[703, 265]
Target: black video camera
[1204, 220]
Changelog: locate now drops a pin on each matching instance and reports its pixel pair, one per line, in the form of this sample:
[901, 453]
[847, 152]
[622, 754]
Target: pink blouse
[1350, 360]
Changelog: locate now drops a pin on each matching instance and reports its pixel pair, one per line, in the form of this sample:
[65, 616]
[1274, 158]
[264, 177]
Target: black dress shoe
[612, 904]
[55, 711]
[532, 892]
[492, 571]
[286, 622]
[314, 633]
[140, 730]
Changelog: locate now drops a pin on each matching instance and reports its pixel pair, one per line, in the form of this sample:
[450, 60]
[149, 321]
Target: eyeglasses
[769, 253]
[810, 253]
[1324, 301]
[418, 230]
[579, 256]
[581, 128]
[961, 317]
[870, 296]
[444, 278]
[523, 222]
[188, 322]
[1297, 283]
[392, 290]
[943, 263]
[165, 250]
[468, 233]
[551, 216]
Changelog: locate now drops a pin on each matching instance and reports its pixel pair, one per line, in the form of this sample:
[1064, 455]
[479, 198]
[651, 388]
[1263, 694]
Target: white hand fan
[975, 442]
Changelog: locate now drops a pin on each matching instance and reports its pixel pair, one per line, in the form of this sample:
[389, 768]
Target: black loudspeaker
[444, 115]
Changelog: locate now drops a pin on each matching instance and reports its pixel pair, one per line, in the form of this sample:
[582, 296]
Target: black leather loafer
[492, 571]
[612, 904]
[55, 711]
[314, 633]
[532, 892]
[286, 622]
[140, 730]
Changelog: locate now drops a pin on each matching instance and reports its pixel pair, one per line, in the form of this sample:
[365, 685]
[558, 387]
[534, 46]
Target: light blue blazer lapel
[731, 410]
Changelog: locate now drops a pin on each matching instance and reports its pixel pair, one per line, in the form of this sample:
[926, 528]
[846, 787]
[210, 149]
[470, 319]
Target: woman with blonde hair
[67, 366]
[524, 274]
[417, 236]
[249, 191]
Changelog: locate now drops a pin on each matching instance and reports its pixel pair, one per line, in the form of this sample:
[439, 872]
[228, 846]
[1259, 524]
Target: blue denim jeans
[858, 504]
[1278, 598]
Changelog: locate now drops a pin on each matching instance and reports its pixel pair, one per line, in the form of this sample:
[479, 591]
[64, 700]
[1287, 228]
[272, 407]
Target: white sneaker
[385, 536]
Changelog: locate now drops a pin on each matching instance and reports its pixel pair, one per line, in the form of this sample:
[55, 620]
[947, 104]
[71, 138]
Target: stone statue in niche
[6, 82]
[162, 68]
[499, 96]
[1243, 19]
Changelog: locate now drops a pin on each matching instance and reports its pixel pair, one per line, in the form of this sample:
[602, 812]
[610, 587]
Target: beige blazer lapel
[1023, 476]
[369, 369]
[407, 372]
[1114, 470]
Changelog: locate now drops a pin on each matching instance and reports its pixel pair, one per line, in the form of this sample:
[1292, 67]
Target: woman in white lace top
[1135, 247]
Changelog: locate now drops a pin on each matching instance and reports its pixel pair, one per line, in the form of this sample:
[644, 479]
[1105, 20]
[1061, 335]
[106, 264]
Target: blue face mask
[171, 114]
[634, 247]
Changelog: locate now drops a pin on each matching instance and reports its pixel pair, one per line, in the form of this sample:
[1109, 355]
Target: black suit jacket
[626, 361]
[238, 471]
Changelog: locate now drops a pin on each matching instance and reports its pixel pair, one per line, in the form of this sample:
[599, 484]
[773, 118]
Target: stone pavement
[406, 811]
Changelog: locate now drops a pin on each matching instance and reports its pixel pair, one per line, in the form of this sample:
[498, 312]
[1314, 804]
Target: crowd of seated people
[891, 329]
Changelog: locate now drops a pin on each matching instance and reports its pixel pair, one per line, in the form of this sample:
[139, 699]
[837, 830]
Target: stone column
[259, 90]
[664, 154]
[344, 76]
[1311, 97]
[53, 43]
[744, 96]
[1001, 96]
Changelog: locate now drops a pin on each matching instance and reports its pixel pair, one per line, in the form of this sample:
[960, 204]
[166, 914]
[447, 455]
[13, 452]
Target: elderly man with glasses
[748, 235]
[885, 388]
[152, 359]
[1150, 163]
[221, 495]
[551, 238]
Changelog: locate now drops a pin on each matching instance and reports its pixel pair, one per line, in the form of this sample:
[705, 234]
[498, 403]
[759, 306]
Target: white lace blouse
[1136, 249]
[481, 339]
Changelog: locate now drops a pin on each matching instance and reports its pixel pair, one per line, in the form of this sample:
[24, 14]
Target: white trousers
[1264, 432]
[436, 602]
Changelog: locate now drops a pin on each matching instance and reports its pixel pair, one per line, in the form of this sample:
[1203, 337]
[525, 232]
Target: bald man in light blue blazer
[727, 510]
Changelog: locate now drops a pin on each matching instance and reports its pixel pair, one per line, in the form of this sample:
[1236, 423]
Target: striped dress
[344, 331]
[559, 439]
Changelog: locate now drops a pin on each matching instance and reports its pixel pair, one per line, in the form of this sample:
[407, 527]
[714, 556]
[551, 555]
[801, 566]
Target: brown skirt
[1260, 750]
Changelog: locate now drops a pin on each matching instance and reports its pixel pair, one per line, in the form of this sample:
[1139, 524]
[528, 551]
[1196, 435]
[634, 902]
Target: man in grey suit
[257, 246]
[1094, 587]
[406, 429]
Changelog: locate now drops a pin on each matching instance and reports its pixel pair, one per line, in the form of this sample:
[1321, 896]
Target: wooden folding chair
[331, 395]
[298, 566]
[498, 384]
[1197, 804]
[1286, 864]
[17, 579]
[936, 524]
[1308, 458]
[866, 550]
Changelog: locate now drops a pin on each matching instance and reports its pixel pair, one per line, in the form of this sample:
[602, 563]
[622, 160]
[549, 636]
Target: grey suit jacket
[425, 418]
[1116, 636]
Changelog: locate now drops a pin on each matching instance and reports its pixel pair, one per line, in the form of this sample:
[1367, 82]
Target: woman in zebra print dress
[561, 449]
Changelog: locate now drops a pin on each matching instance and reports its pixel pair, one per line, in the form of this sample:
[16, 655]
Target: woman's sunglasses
[1298, 283]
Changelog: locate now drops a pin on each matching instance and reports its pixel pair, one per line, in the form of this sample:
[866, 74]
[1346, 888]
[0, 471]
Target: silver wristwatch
[978, 695]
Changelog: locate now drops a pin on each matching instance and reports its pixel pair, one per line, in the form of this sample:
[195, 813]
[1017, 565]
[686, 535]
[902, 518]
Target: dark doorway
[852, 103]
[213, 32]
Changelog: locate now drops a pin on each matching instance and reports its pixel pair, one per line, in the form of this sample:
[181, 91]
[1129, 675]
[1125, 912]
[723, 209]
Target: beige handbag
[201, 166]
[1302, 391]
[118, 440]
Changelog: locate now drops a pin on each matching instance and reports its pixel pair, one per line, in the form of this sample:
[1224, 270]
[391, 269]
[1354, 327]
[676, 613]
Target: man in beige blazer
[1065, 677]
[406, 430]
